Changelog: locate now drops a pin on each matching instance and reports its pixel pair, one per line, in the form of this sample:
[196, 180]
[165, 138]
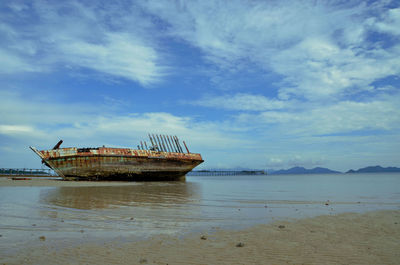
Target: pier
[225, 172]
[26, 172]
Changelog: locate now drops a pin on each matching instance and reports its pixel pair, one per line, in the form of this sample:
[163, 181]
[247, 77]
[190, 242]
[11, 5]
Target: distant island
[302, 170]
[321, 170]
[374, 169]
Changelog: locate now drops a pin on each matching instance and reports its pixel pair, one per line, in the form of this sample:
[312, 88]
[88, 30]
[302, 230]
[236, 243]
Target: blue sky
[259, 84]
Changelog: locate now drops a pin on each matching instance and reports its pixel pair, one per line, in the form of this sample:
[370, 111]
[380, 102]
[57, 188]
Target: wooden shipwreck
[162, 159]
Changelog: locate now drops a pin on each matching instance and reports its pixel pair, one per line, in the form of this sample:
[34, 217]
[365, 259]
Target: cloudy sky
[259, 84]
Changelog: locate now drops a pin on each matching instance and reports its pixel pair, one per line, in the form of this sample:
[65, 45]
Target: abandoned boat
[162, 159]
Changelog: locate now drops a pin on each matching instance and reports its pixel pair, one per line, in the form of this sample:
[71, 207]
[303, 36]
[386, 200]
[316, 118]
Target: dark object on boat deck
[58, 145]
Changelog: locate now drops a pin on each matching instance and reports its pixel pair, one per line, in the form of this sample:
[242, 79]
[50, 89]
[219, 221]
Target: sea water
[201, 203]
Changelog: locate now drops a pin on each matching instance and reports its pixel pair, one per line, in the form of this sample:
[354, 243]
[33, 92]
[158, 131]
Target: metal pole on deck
[151, 140]
[180, 147]
[159, 142]
[162, 140]
[155, 140]
[186, 147]
[145, 145]
[178, 144]
[172, 143]
[166, 143]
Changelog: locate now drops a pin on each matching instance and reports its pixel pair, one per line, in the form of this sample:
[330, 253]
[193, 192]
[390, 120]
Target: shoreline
[347, 238]
[7, 181]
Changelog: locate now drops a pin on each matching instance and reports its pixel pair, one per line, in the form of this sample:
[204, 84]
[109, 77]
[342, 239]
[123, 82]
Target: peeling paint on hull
[105, 163]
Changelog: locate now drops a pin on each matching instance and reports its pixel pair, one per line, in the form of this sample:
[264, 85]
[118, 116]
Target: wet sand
[350, 238]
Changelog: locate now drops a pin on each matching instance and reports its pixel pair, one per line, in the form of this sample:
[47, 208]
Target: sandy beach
[371, 238]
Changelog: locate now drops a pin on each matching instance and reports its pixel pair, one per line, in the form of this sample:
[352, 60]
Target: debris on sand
[240, 244]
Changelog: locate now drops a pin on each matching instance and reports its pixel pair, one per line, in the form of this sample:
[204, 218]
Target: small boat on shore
[163, 159]
[20, 178]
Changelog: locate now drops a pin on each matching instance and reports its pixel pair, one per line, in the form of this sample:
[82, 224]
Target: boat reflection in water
[151, 194]
[142, 209]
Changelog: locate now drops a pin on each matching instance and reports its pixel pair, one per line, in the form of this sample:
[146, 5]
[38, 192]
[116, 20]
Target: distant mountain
[372, 169]
[302, 170]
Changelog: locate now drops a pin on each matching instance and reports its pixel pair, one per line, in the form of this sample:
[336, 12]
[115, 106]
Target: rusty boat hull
[105, 163]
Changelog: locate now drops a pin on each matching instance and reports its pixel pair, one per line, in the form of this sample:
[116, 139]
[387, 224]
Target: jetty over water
[26, 172]
[225, 172]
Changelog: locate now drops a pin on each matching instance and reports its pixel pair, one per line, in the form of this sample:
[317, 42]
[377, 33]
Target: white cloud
[353, 116]
[382, 113]
[120, 55]
[11, 63]
[15, 129]
[80, 35]
[320, 49]
[241, 101]
[17, 6]
[294, 161]
[318, 69]
[390, 23]
[38, 109]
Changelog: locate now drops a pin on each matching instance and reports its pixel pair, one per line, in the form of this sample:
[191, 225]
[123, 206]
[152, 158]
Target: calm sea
[199, 204]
